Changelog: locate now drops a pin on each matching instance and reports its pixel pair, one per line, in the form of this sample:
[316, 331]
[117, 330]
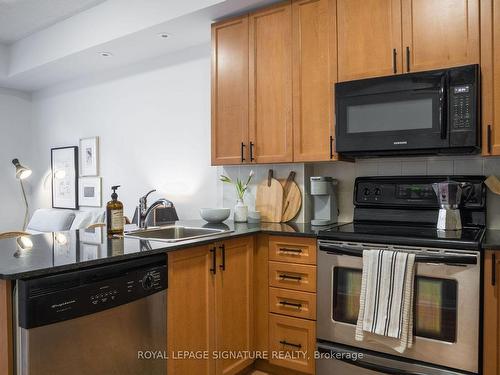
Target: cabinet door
[490, 76]
[270, 100]
[191, 309]
[369, 38]
[234, 307]
[491, 351]
[230, 92]
[6, 340]
[314, 73]
[440, 34]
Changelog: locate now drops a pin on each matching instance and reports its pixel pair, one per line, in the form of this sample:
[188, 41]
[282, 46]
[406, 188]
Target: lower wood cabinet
[210, 311]
[6, 348]
[491, 350]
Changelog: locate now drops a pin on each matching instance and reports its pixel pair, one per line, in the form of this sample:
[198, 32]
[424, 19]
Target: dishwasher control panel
[52, 299]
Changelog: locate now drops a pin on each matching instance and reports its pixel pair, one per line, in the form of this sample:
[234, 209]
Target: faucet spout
[145, 211]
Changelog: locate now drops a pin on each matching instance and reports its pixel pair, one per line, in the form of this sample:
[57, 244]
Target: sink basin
[174, 233]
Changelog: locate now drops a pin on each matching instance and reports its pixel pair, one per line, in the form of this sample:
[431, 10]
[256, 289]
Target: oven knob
[378, 191]
[366, 191]
[147, 282]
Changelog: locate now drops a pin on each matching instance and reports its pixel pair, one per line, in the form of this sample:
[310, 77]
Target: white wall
[153, 120]
[15, 142]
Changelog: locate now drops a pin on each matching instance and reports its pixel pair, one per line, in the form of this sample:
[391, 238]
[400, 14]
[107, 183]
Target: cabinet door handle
[242, 152]
[286, 343]
[291, 304]
[331, 147]
[288, 250]
[407, 59]
[223, 253]
[284, 276]
[394, 61]
[488, 139]
[251, 152]
[493, 269]
[214, 260]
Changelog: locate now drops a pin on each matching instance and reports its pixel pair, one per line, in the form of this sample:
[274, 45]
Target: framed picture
[90, 193]
[89, 156]
[64, 163]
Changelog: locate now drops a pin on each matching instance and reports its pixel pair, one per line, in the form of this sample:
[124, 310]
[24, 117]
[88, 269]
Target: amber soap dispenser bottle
[114, 214]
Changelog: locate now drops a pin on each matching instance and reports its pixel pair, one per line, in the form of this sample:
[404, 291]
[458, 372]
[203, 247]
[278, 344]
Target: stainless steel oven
[446, 311]
[431, 112]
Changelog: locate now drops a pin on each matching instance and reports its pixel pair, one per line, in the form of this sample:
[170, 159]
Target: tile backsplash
[346, 172]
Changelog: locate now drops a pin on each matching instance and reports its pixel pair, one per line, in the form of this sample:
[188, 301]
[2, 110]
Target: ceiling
[21, 18]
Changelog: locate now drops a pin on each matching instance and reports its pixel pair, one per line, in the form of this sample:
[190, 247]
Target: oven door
[446, 308]
[392, 114]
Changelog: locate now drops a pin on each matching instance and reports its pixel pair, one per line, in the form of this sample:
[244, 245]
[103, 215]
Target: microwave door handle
[443, 106]
[363, 363]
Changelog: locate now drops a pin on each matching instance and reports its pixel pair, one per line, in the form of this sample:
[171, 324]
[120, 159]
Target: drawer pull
[284, 276]
[288, 250]
[291, 304]
[286, 343]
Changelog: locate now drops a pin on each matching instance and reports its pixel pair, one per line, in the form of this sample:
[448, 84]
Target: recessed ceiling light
[164, 35]
[105, 54]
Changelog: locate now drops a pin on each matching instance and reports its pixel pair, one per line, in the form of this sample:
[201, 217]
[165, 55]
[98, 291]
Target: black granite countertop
[491, 239]
[45, 254]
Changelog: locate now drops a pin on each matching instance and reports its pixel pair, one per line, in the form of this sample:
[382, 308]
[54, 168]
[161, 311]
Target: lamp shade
[21, 171]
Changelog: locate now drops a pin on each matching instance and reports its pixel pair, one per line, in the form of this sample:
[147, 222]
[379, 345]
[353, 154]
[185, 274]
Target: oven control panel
[412, 192]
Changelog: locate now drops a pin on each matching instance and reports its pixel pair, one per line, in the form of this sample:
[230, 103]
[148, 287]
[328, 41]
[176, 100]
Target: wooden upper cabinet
[490, 76]
[230, 91]
[270, 86]
[491, 337]
[314, 74]
[440, 34]
[191, 309]
[234, 303]
[369, 38]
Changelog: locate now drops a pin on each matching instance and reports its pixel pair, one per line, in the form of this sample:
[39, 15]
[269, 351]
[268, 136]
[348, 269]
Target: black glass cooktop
[418, 235]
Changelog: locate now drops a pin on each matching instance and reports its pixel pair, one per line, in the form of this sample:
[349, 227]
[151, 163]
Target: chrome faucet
[144, 211]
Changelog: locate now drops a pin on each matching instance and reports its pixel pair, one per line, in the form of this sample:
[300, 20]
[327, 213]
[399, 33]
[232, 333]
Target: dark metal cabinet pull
[286, 343]
[331, 147]
[407, 59]
[288, 250]
[488, 135]
[493, 269]
[223, 251]
[284, 276]
[251, 151]
[214, 261]
[286, 303]
[394, 61]
[242, 152]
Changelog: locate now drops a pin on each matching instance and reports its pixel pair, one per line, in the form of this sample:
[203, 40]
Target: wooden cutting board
[292, 198]
[269, 200]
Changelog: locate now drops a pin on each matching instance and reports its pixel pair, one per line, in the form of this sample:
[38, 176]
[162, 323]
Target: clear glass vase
[240, 212]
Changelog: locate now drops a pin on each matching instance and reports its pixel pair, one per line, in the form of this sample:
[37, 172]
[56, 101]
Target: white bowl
[215, 215]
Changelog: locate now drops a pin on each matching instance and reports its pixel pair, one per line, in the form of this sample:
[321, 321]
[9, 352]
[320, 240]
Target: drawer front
[292, 303]
[292, 276]
[295, 250]
[294, 340]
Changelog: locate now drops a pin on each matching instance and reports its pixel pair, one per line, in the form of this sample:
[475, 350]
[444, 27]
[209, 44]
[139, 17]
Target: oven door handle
[364, 364]
[427, 258]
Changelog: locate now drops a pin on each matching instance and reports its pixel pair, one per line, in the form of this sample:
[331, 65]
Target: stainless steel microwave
[434, 112]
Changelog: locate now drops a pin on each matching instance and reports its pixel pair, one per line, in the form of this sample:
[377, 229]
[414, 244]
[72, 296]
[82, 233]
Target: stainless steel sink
[174, 233]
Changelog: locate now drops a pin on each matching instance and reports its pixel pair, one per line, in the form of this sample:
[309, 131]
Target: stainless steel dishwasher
[105, 320]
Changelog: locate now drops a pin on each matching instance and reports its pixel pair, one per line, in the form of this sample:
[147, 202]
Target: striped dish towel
[386, 299]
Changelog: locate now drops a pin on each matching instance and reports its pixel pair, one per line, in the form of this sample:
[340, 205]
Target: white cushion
[51, 220]
[82, 220]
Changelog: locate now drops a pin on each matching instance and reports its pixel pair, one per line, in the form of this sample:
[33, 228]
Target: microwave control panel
[461, 102]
